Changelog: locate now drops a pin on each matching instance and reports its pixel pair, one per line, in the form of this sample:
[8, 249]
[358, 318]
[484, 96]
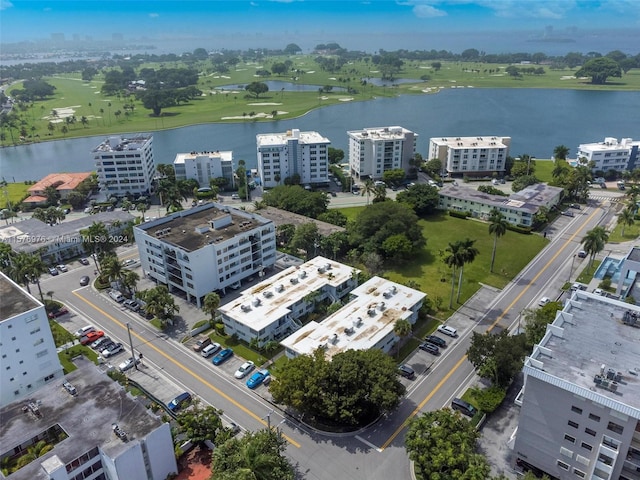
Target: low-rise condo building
[204, 166]
[471, 156]
[611, 154]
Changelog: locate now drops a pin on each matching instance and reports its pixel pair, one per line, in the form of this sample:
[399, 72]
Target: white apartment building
[470, 155]
[205, 248]
[29, 357]
[365, 322]
[125, 165]
[611, 154]
[203, 166]
[518, 208]
[372, 151]
[580, 409]
[100, 432]
[271, 309]
[282, 155]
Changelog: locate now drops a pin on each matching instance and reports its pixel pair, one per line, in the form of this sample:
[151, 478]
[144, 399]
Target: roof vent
[348, 330]
[121, 434]
[357, 322]
[294, 281]
[334, 339]
[267, 293]
[245, 308]
[279, 288]
[256, 302]
[381, 306]
[302, 274]
[372, 312]
[320, 270]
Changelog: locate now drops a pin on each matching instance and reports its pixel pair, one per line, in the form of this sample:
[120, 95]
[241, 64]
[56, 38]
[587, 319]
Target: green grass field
[13, 193]
[106, 115]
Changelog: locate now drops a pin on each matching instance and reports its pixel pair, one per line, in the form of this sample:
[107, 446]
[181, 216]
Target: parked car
[201, 343]
[447, 330]
[406, 371]
[429, 348]
[567, 213]
[84, 330]
[128, 364]
[91, 337]
[71, 390]
[62, 267]
[117, 296]
[543, 301]
[84, 281]
[582, 254]
[222, 357]
[437, 341]
[53, 271]
[84, 261]
[177, 403]
[464, 407]
[235, 196]
[575, 205]
[58, 313]
[131, 305]
[258, 378]
[244, 369]
[112, 350]
[210, 350]
[100, 343]
[578, 286]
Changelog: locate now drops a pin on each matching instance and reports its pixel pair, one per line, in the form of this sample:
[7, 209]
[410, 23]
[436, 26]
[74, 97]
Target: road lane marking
[491, 327]
[178, 364]
[368, 443]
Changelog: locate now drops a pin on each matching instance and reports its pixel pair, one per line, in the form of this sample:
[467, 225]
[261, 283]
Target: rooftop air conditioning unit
[245, 308]
[371, 312]
[334, 338]
[256, 302]
[294, 281]
[279, 288]
[268, 293]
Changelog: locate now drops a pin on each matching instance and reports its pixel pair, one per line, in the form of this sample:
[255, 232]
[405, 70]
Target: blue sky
[366, 25]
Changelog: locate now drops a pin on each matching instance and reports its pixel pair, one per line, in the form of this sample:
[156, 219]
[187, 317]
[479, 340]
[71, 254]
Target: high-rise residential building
[283, 155]
[125, 165]
[203, 166]
[372, 151]
[611, 154]
[580, 406]
[470, 155]
[29, 357]
[206, 248]
[96, 429]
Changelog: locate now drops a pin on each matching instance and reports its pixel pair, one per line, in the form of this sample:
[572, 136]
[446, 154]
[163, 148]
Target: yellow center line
[178, 364]
[493, 325]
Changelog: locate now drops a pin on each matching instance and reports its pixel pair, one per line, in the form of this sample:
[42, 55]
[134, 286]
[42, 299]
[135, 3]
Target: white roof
[360, 324]
[226, 155]
[471, 142]
[278, 139]
[268, 301]
[380, 133]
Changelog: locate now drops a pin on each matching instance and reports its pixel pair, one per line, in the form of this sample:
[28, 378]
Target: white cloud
[546, 9]
[154, 15]
[4, 4]
[428, 11]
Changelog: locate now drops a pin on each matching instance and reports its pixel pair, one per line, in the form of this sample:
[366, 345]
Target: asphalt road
[378, 451]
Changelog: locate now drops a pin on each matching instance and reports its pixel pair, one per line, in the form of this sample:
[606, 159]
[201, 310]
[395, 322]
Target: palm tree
[594, 242]
[469, 254]
[130, 280]
[95, 239]
[453, 259]
[402, 328]
[626, 217]
[368, 188]
[210, 304]
[112, 268]
[561, 152]
[379, 193]
[497, 227]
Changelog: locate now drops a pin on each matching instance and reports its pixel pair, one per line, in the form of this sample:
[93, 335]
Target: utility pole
[571, 271]
[133, 353]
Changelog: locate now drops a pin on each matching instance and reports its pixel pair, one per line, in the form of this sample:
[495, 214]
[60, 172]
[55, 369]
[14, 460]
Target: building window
[566, 452]
[573, 424]
[589, 431]
[579, 473]
[576, 410]
[593, 417]
[586, 446]
[569, 438]
[563, 465]
[615, 428]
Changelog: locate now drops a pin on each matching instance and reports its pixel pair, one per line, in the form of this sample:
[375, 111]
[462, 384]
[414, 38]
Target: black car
[430, 348]
[437, 341]
[406, 371]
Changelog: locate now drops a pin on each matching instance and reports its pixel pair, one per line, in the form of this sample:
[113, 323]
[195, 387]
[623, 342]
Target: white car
[128, 364]
[447, 330]
[543, 301]
[112, 350]
[62, 267]
[244, 369]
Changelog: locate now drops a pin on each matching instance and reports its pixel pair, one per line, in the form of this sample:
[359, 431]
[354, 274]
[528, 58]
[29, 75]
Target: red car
[58, 313]
[91, 337]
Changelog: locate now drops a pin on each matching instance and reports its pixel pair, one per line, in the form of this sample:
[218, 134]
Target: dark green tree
[497, 357]
[599, 69]
[497, 227]
[201, 423]
[536, 321]
[257, 88]
[422, 198]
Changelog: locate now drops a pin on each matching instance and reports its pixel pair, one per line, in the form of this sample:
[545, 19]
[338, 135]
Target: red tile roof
[61, 181]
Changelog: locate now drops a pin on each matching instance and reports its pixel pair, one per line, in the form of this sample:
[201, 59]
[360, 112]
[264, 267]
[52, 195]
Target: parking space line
[193, 374]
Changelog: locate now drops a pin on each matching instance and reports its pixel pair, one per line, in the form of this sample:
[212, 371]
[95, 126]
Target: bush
[488, 400]
[457, 214]
[605, 284]
[519, 229]
[220, 328]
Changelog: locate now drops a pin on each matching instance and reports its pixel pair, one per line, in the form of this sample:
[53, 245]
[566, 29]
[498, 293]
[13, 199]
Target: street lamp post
[571, 270]
[133, 353]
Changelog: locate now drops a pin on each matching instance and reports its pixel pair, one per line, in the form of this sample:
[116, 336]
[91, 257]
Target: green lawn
[106, 115]
[544, 167]
[631, 232]
[13, 192]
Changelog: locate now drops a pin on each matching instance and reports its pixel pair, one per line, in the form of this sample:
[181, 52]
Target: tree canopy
[599, 69]
[257, 88]
[443, 446]
[497, 357]
[296, 199]
[379, 221]
[422, 198]
[352, 388]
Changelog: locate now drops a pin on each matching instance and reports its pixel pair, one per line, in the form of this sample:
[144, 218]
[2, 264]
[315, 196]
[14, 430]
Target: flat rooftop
[192, 229]
[361, 323]
[634, 254]
[380, 133]
[87, 418]
[472, 142]
[587, 335]
[264, 303]
[225, 156]
[284, 217]
[14, 300]
[119, 144]
[276, 139]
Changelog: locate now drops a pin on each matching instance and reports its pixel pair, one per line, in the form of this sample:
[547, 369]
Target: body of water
[537, 121]
[276, 86]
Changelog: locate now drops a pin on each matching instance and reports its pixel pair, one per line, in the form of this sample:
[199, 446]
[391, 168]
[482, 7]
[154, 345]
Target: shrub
[519, 229]
[488, 399]
[457, 214]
